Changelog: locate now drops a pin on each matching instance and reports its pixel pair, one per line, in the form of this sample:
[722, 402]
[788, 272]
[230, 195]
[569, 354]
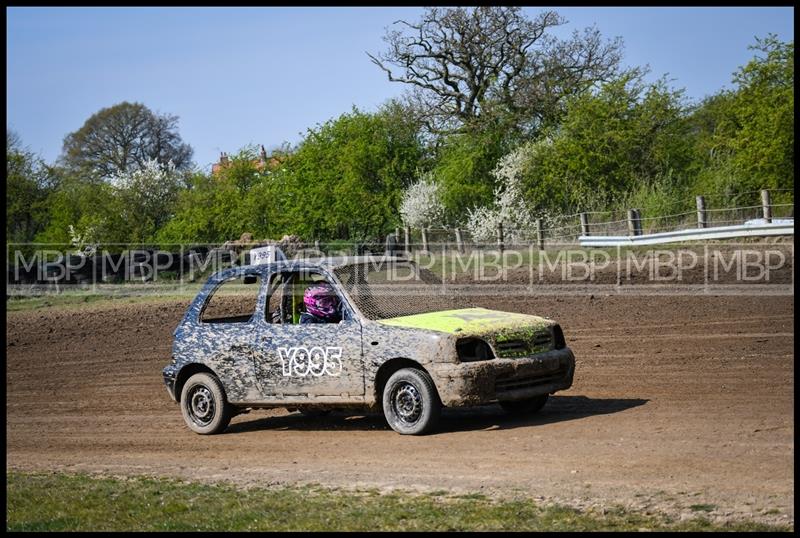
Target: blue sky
[237, 76]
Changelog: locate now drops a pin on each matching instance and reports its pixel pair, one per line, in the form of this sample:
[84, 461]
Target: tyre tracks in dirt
[677, 401]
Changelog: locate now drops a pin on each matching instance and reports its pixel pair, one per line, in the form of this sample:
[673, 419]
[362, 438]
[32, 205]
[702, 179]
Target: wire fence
[705, 212]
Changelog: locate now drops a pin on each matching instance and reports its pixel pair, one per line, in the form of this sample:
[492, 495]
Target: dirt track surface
[693, 404]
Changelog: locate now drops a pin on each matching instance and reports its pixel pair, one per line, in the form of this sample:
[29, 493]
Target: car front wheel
[204, 406]
[410, 402]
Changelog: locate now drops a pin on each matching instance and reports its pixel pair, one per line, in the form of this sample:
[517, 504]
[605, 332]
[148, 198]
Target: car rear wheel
[524, 407]
[410, 402]
[204, 406]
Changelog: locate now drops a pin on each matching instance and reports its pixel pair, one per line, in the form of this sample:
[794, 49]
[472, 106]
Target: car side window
[286, 300]
[233, 301]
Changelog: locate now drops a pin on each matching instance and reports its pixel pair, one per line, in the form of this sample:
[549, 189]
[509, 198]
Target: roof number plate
[268, 254]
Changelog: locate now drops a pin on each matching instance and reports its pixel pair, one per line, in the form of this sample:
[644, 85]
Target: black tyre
[525, 407]
[204, 406]
[410, 402]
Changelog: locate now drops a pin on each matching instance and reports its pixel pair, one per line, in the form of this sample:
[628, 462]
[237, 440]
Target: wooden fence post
[539, 234]
[631, 225]
[702, 218]
[634, 222]
[500, 238]
[584, 224]
[390, 245]
[397, 234]
[407, 233]
[424, 239]
[766, 205]
[459, 242]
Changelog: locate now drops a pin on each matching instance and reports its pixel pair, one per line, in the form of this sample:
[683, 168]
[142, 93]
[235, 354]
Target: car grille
[541, 341]
[512, 348]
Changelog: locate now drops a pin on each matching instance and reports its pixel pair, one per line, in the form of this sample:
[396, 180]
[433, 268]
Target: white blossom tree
[421, 205]
[148, 195]
[509, 205]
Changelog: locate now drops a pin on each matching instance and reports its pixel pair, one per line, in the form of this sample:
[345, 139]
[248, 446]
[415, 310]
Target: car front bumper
[477, 383]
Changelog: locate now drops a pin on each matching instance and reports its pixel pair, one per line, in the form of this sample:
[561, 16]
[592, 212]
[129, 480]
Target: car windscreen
[388, 289]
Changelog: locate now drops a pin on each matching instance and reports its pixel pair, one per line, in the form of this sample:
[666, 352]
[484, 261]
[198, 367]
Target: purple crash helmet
[321, 301]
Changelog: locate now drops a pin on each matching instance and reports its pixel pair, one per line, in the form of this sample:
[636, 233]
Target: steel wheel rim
[201, 405]
[407, 403]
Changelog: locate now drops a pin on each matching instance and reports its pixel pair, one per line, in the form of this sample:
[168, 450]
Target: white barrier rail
[758, 228]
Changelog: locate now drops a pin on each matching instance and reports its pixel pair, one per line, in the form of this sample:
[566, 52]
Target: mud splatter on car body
[474, 356]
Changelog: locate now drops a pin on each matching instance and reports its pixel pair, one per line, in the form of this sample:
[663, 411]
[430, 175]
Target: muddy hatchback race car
[358, 333]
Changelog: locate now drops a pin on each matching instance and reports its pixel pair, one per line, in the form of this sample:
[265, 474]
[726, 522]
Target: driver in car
[322, 305]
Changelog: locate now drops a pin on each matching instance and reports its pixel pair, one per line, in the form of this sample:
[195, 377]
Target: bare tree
[13, 140]
[467, 63]
[123, 138]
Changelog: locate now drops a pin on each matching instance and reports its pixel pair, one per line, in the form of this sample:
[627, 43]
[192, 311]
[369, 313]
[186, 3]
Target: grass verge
[66, 502]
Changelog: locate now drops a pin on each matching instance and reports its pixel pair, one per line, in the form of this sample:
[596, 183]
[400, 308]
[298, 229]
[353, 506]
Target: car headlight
[473, 349]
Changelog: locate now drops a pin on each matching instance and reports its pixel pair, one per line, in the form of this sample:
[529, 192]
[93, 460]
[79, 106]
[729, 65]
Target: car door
[222, 334]
[307, 360]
